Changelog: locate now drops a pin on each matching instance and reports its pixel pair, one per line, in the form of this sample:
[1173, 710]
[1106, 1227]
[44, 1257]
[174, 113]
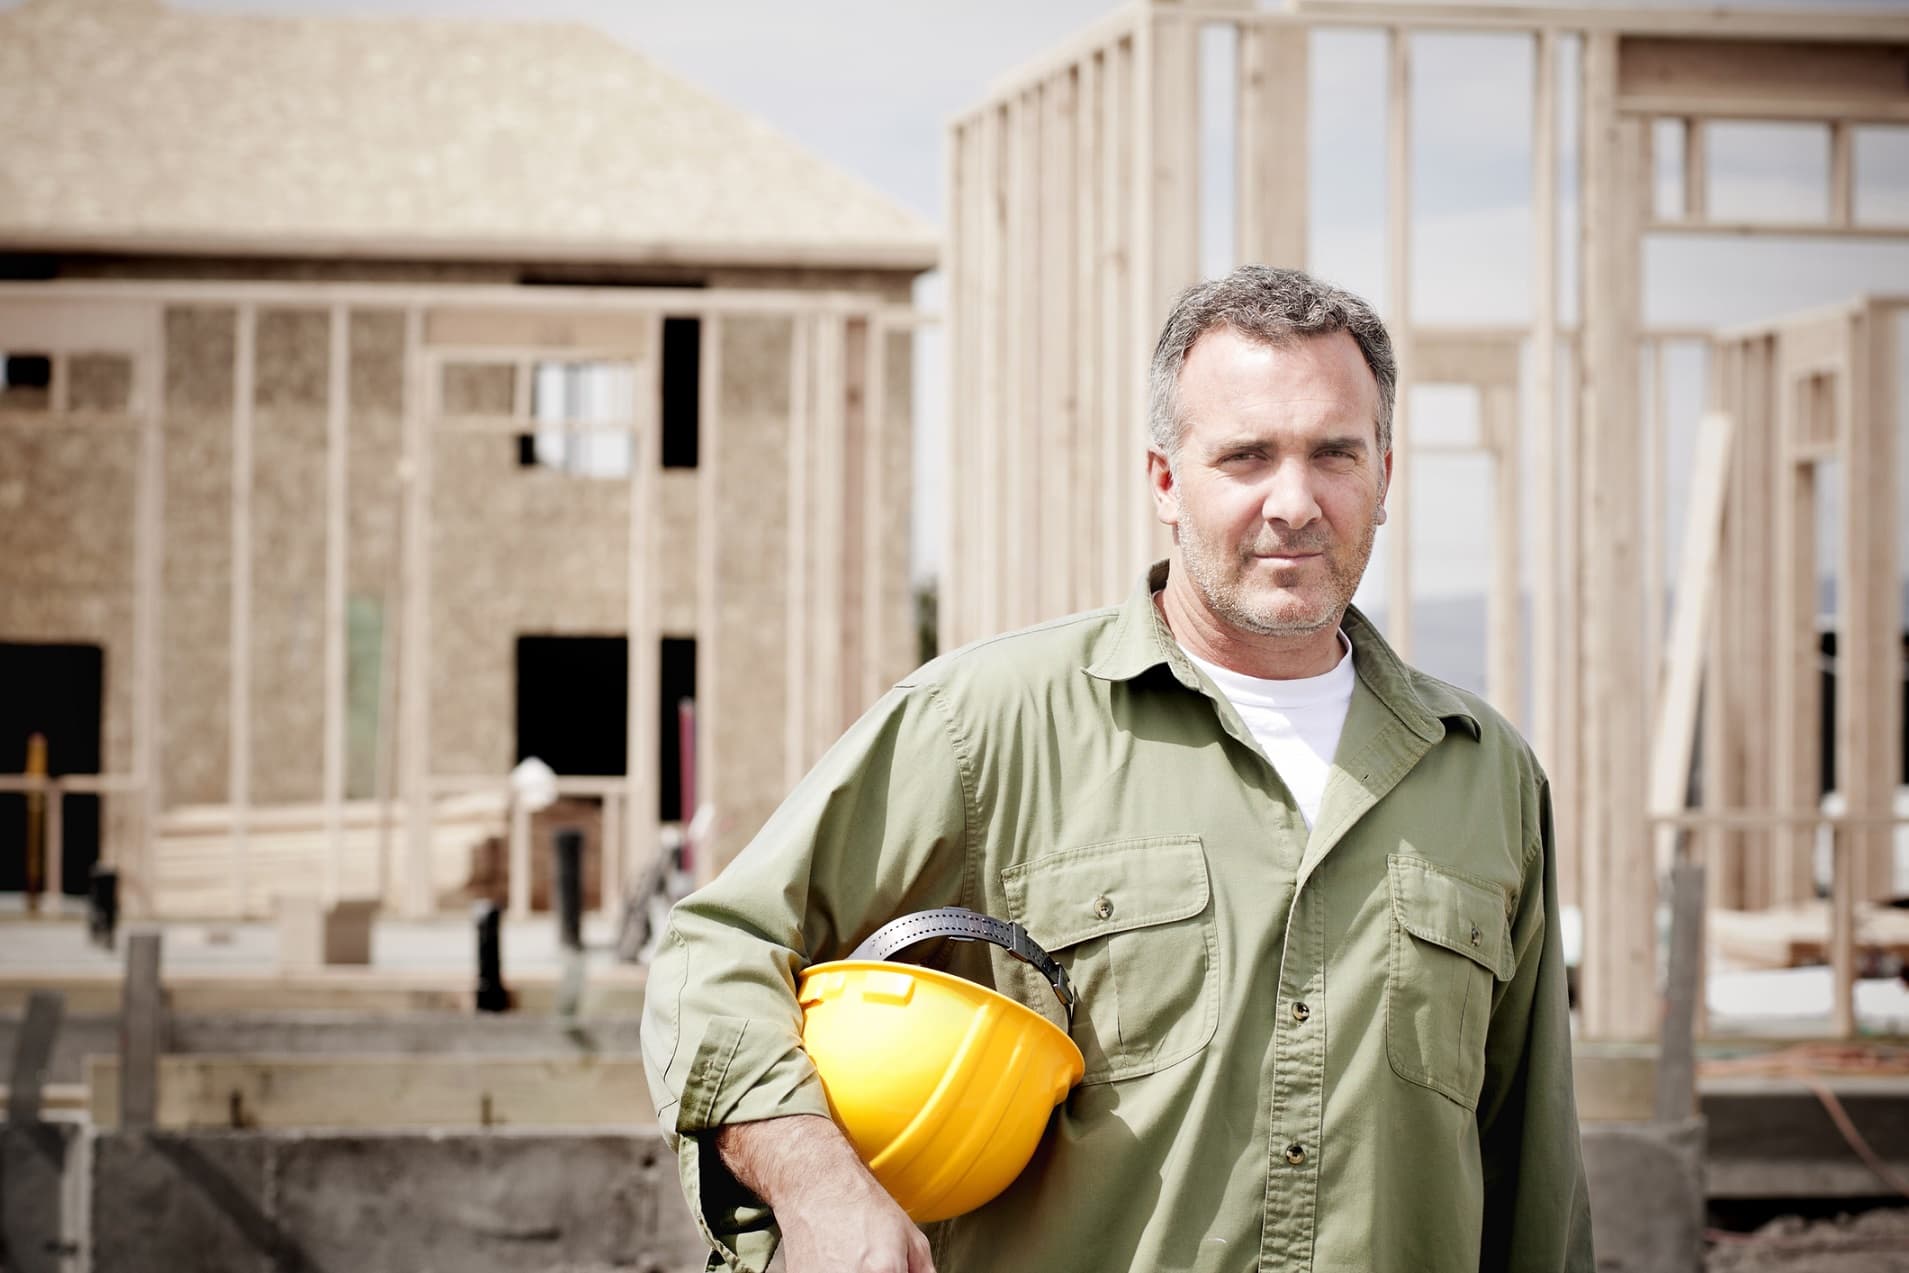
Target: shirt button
[1475, 934]
[1301, 1012]
[1295, 1154]
[1104, 907]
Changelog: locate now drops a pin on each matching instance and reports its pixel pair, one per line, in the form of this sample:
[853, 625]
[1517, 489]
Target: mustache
[1286, 545]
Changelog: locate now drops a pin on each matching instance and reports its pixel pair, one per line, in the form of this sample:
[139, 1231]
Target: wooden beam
[1794, 599]
[1271, 139]
[962, 194]
[712, 659]
[239, 639]
[1090, 423]
[1785, 80]
[273, 1092]
[877, 671]
[1548, 578]
[1398, 255]
[996, 388]
[1054, 497]
[824, 617]
[1122, 333]
[1696, 171]
[1676, 1095]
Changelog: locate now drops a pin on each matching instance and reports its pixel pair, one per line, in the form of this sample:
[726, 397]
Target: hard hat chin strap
[961, 924]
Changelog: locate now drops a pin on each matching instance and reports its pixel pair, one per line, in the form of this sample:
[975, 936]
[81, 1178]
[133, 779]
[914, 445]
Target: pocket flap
[1459, 912]
[1067, 897]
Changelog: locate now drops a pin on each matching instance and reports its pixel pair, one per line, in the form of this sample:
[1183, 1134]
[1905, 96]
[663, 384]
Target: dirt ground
[1873, 1242]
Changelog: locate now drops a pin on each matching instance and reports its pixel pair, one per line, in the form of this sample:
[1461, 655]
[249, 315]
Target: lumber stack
[285, 849]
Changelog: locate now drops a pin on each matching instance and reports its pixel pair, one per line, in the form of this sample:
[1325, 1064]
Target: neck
[1272, 657]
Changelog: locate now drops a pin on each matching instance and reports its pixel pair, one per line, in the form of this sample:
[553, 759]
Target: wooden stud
[1794, 683]
[796, 569]
[1273, 109]
[1842, 174]
[1676, 1095]
[1089, 425]
[337, 530]
[997, 373]
[711, 597]
[239, 692]
[1505, 645]
[1696, 172]
[518, 857]
[1653, 429]
[1123, 430]
[148, 609]
[1398, 255]
[643, 632]
[879, 653]
[1620, 886]
[1053, 501]
[824, 616]
[415, 898]
[964, 315]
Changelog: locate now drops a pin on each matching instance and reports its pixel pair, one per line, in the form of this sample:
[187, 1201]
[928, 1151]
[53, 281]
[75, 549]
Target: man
[1305, 894]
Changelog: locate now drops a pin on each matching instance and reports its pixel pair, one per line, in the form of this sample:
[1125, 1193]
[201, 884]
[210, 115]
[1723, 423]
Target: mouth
[1285, 559]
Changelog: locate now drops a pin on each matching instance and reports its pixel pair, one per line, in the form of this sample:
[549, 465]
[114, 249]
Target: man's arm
[1537, 1214]
[876, 830]
[833, 1214]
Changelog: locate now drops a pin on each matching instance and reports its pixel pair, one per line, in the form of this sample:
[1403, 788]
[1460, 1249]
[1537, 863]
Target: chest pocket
[1451, 937]
[1132, 921]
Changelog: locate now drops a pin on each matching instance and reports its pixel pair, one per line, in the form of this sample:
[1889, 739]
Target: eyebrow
[1248, 442]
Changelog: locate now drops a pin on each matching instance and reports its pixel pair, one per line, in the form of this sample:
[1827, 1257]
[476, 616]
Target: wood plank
[1124, 429]
[1549, 579]
[1053, 496]
[796, 569]
[1676, 1094]
[1842, 174]
[1505, 645]
[627, 858]
[149, 599]
[1674, 739]
[1793, 600]
[1446, 357]
[1271, 140]
[1690, 75]
[376, 992]
[273, 1092]
[1696, 171]
[414, 670]
[824, 617]
[1090, 423]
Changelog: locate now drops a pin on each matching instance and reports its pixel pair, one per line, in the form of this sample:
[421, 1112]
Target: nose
[1290, 499]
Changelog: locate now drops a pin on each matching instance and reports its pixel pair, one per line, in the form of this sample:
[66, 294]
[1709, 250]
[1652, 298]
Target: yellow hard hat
[942, 1086]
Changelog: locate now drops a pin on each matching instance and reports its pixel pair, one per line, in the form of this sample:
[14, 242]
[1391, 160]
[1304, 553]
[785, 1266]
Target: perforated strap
[961, 924]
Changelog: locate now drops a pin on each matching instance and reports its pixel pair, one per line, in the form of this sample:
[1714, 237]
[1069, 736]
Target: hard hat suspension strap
[961, 924]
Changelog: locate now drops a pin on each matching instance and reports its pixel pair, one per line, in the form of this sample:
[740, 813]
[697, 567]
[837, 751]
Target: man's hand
[835, 1218]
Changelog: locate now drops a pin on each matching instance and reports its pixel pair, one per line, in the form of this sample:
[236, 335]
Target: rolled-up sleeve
[877, 829]
[1537, 1213]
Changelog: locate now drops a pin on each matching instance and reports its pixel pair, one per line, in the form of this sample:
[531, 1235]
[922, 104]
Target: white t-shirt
[1296, 723]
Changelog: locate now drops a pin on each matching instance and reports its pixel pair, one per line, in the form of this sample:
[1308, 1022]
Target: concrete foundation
[476, 1202]
[1647, 1195]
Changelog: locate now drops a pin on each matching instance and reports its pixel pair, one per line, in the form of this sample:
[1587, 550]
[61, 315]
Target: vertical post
[32, 1052]
[141, 1025]
[644, 714]
[1021, 455]
[1548, 662]
[1653, 426]
[1123, 428]
[952, 568]
[1054, 496]
[414, 676]
[1676, 1054]
[824, 616]
[1505, 648]
[1842, 174]
[878, 653]
[1620, 883]
[711, 657]
[993, 393]
[1091, 426]
[149, 602]
[1398, 255]
[239, 693]
[1798, 700]
[796, 572]
[337, 469]
[55, 843]
[1270, 165]
[1696, 172]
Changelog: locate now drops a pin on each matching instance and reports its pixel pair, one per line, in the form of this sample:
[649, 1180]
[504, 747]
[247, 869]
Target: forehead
[1231, 380]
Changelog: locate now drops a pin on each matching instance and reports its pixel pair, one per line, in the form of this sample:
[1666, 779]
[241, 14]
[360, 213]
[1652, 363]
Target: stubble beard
[1227, 595]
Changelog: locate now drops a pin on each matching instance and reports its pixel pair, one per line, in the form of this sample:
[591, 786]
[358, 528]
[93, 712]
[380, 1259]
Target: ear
[1385, 488]
[1162, 482]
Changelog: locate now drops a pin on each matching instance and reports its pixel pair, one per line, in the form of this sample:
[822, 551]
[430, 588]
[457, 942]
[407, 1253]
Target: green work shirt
[1343, 1048]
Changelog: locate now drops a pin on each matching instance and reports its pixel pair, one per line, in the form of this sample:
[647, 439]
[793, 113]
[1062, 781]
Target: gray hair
[1275, 307]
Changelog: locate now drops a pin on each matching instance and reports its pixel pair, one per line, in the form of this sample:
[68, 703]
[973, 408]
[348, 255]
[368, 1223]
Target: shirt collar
[1141, 641]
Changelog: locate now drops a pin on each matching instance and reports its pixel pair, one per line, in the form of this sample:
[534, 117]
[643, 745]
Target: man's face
[1278, 484]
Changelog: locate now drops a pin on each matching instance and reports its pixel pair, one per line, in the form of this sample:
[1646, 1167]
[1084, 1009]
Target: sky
[870, 85]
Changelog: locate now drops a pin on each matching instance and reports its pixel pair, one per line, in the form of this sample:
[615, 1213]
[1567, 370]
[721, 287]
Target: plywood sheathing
[144, 128]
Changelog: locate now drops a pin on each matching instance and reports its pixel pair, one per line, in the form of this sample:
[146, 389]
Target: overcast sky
[870, 84]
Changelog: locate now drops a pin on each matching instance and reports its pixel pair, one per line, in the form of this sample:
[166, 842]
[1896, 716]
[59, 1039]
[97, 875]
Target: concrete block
[183, 1202]
[35, 1222]
[477, 1203]
[1646, 1183]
